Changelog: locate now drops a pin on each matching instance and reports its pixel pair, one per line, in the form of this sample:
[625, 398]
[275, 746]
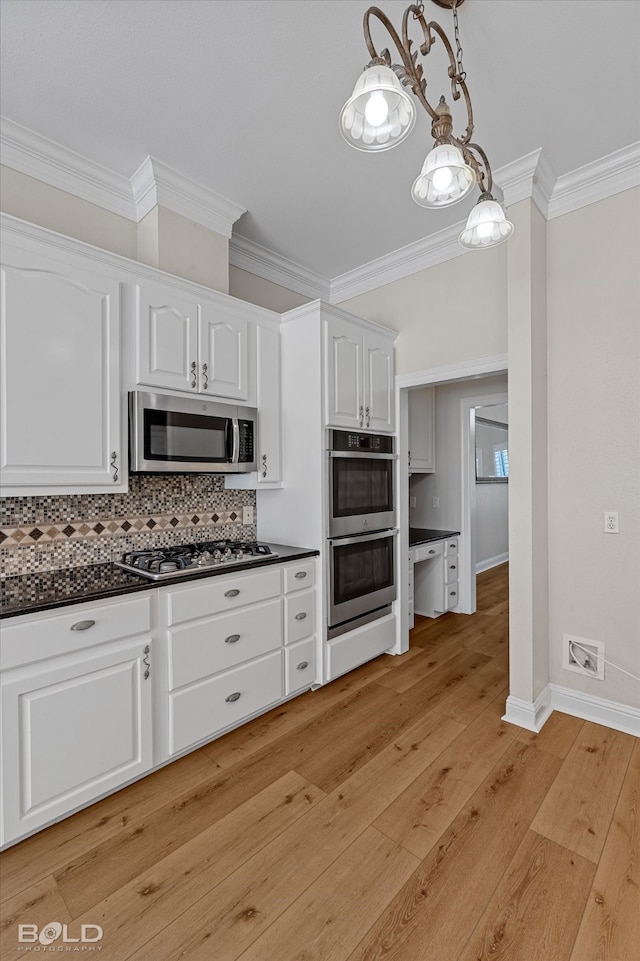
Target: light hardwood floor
[390, 815]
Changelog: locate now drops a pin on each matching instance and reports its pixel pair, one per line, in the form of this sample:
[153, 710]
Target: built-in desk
[433, 572]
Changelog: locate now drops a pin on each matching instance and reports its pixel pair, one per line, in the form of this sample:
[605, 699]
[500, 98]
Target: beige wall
[163, 238]
[264, 293]
[450, 313]
[38, 203]
[594, 438]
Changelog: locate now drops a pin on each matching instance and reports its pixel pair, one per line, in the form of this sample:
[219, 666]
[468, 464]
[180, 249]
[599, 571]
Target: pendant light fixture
[380, 114]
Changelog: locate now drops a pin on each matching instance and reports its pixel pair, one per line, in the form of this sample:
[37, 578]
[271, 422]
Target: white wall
[264, 293]
[594, 437]
[492, 525]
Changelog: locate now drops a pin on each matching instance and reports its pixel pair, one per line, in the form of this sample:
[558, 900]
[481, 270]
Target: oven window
[172, 436]
[361, 486]
[362, 568]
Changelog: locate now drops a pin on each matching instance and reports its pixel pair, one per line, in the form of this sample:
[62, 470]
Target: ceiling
[243, 97]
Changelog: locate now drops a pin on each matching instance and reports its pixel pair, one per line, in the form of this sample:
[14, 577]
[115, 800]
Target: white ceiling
[243, 97]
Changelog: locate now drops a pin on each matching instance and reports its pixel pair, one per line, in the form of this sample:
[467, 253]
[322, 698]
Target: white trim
[490, 562]
[156, 184]
[620, 717]
[51, 163]
[247, 255]
[516, 179]
[529, 715]
[466, 369]
[532, 716]
[596, 181]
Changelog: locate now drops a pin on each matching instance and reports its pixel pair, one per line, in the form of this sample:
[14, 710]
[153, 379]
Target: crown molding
[36, 156]
[603, 178]
[248, 255]
[432, 250]
[155, 184]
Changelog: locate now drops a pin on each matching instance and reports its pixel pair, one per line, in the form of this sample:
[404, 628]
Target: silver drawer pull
[452, 593]
[82, 625]
[232, 639]
[452, 567]
[301, 616]
[232, 593]
[303, 665]
[301, 574]
[233, 697]
[432, 552]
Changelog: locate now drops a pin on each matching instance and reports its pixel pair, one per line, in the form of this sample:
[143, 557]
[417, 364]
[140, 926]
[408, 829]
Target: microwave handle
[235, 453]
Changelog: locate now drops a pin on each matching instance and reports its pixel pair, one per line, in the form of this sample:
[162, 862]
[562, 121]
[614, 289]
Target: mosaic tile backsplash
[75, 530]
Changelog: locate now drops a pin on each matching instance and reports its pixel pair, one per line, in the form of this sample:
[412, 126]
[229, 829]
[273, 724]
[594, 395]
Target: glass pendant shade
[379, 113]
[445, 178]
[487, 226]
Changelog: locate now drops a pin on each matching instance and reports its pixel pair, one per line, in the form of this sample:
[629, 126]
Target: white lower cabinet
[299, 665]
[350, 650]
[76, 725]
[435, 577]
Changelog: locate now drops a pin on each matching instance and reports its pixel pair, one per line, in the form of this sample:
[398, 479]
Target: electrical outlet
[247, 515]
[611, 522]
[413, 501]
[435, 502]
[583, 656]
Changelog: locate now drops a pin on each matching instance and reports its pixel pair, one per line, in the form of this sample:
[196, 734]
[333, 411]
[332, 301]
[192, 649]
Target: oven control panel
[343, 440]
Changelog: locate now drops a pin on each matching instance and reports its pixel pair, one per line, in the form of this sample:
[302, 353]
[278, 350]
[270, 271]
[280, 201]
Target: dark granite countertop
[50, 589]
[423, 535]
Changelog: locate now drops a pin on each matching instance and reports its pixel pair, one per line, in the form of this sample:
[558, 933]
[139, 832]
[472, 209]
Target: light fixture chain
[461, 71]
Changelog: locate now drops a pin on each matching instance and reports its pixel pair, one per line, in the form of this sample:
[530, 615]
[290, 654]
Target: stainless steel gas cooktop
[190, 558]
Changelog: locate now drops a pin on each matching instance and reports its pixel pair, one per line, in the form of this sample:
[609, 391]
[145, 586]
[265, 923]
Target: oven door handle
[361, 453]
[362, 538]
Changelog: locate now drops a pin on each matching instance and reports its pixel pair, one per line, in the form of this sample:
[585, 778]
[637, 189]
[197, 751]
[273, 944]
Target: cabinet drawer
[300, 665]
[220, 594]
[451, 596]
[199, 712]
[451, 546]
[79, 627]
[299, 616]
[299, 576]
[199, 649]
[425, 551]
[451, 568]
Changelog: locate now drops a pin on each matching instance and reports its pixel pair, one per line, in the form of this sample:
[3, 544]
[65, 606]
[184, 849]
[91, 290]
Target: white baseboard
[490, 562]
[532, 715]
[529, 714]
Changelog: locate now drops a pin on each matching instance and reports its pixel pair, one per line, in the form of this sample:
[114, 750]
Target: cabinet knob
[82, 625]
[300, 574]
[452, 593]
[232, 593]
[264, 465]
[368, 413]
[146, 662]
[114, 465]
[233, 697]
[302, 665]
[205, 376]
[194, 376]
[232, 639]
[361, 415]
[301, 616]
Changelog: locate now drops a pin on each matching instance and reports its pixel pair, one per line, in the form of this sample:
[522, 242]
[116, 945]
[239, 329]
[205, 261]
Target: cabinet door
[344, 393]
[422, 430]
[378, 383]
[223, 353]
[60, 410]
[167, 338]
[74, 728]
[269, 407]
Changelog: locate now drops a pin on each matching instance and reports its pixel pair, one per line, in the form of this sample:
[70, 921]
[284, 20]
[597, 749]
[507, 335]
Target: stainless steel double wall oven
[361, 527]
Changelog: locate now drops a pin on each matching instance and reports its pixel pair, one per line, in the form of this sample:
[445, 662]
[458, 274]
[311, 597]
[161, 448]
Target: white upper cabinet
[422, 457]
[223, 353]
[60, 330]
[190, 343]
[167, 332]
[359, 372]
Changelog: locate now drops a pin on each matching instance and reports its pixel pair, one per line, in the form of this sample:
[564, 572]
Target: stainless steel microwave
[170, 434]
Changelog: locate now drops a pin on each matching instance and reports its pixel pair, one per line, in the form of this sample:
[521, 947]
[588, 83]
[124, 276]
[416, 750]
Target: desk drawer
[451, 568]
[426, 551]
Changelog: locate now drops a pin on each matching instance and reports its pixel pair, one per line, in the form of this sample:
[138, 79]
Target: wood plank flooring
[390, 816]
